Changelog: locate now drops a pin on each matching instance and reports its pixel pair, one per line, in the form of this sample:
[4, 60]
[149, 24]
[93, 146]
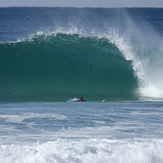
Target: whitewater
[81, 132]
[49, 57]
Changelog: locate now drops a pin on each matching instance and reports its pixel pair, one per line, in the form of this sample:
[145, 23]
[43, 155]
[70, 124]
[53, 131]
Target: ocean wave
[62, 66]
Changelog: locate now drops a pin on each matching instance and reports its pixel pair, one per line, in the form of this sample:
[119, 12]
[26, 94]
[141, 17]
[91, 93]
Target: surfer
[81, 99]
[104, 100]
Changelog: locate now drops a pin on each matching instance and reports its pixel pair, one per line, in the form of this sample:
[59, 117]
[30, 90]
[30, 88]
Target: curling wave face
[61, 66]
[95, 53]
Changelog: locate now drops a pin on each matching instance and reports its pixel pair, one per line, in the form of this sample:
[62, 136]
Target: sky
[83, 3]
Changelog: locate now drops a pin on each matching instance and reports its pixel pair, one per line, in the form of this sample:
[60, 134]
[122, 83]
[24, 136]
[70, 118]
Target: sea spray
[146, 62]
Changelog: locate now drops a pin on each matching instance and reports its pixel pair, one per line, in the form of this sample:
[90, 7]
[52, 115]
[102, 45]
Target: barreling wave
[60, 66]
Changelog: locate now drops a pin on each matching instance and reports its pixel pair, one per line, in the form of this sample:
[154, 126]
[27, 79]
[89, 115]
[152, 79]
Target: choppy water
[81, 132]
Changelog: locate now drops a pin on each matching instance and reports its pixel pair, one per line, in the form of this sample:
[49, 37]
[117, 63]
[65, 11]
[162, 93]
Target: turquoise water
[59, 67]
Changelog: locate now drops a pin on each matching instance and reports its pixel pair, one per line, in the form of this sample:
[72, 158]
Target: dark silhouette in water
[81, 99]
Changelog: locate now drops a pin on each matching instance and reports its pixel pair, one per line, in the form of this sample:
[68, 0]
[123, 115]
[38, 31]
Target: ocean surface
[49, 57]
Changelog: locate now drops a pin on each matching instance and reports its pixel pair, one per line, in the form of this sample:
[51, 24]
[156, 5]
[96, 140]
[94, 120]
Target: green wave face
[58, 67]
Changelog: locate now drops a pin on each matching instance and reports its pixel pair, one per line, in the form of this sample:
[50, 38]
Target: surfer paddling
[81, 99]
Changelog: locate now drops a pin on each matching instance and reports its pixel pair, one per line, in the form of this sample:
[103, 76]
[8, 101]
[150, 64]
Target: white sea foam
[146, 64]
[20, 118]
[73, 100]
[97, 132]
[84, 151]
